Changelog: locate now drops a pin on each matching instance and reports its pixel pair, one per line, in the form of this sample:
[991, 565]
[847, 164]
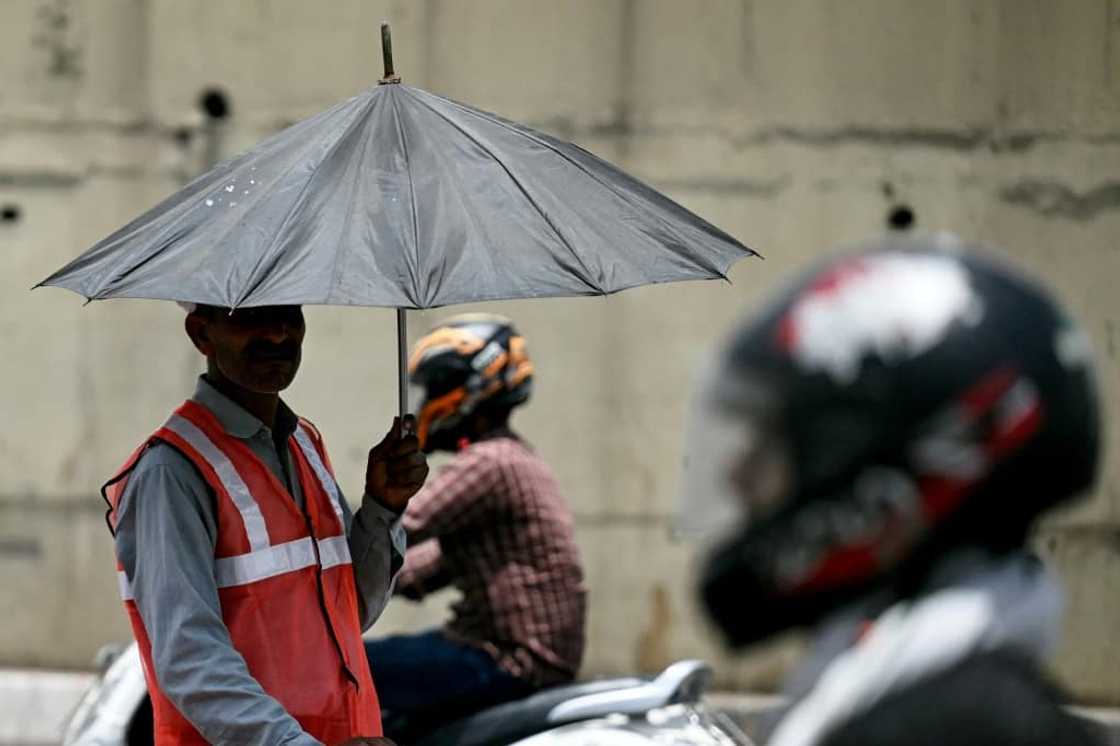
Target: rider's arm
[423, 571]
[454, 499]
[377, 549]
[165, 540]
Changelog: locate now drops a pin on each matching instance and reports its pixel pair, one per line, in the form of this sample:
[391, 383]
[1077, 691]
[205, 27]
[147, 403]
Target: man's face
[256, 348]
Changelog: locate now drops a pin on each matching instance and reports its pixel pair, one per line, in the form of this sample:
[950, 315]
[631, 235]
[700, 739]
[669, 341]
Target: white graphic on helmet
[486, 356]
[1072, 347]
[896, 306]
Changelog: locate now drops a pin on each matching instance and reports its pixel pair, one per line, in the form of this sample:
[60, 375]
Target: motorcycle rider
[887, 431]
[494, 525]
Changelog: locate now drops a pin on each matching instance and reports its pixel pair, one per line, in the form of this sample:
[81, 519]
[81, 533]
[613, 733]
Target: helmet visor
[737, 466]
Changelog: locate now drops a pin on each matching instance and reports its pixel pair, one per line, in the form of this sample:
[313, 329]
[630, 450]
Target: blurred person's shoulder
[994, 698]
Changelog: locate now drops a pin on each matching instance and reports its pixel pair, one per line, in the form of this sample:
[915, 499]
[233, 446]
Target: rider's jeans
[426, 680]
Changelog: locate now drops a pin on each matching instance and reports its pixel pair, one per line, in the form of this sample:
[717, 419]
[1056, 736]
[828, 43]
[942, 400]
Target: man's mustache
[270, 351]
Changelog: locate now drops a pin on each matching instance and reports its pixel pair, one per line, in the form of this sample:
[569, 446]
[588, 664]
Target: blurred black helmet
[467, 362]
[895, 404]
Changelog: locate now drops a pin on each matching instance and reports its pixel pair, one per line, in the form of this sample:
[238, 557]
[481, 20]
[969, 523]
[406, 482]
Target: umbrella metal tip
[387, 55]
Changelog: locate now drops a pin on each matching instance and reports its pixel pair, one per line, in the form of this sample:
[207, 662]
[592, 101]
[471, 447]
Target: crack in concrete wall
[964, 139]
[955, 139]
[603, 520]
[1054, 199]
[20, 547]
[619, 126]
[952, 139]
[64, 123]
[766, 189]
[90, 503]
[1107, 533]
[42, 178]
[61, 178]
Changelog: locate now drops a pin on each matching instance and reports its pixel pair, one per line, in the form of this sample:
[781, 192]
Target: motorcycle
[665, 709]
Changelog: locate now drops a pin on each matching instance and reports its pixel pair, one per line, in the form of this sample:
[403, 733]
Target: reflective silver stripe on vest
[264, 563]
[269, 562]
[280, 559]
[125, 585]
[320, 469]
[334, 551]
[230, 479]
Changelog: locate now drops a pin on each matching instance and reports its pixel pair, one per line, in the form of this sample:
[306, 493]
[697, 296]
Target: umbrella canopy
[402, 198]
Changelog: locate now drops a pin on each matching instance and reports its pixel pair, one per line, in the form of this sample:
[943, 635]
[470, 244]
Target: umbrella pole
[402, 321]
[402, 361]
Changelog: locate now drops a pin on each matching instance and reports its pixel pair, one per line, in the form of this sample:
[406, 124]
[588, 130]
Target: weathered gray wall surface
[792, 124]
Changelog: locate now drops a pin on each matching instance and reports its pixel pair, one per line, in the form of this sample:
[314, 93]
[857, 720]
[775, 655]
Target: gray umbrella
[401, 198]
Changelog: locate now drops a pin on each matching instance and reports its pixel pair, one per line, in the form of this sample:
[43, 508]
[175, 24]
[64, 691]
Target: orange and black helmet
[468, 361]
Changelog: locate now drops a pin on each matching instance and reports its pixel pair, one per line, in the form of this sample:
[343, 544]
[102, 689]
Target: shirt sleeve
[454, 499]
[377, 548]
[423, 571]
[165, 538]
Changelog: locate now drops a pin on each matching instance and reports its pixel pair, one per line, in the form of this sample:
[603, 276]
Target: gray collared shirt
[166, 534]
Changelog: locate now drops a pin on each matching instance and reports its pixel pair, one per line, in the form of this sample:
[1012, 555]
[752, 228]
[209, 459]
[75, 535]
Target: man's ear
[196, 326]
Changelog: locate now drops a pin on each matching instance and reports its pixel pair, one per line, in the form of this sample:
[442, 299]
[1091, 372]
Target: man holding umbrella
[246, 578]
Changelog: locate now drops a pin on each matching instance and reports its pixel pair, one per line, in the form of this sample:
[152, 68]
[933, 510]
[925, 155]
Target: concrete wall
[794, 125]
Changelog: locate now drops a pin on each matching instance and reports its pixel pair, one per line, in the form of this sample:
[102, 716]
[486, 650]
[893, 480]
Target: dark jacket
[993, 699]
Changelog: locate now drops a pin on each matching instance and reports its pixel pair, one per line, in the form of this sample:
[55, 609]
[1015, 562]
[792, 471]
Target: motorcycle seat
[550, 708]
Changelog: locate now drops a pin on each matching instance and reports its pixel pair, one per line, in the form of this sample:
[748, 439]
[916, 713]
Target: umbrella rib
[412, 199]
[521, 187]
[340, 247]
[252, 284]
[534, 137]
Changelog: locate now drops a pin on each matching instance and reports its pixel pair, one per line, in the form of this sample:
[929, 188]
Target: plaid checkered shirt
[493, 524]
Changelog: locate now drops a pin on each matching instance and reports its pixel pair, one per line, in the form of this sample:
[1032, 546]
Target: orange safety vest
[284, 579]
